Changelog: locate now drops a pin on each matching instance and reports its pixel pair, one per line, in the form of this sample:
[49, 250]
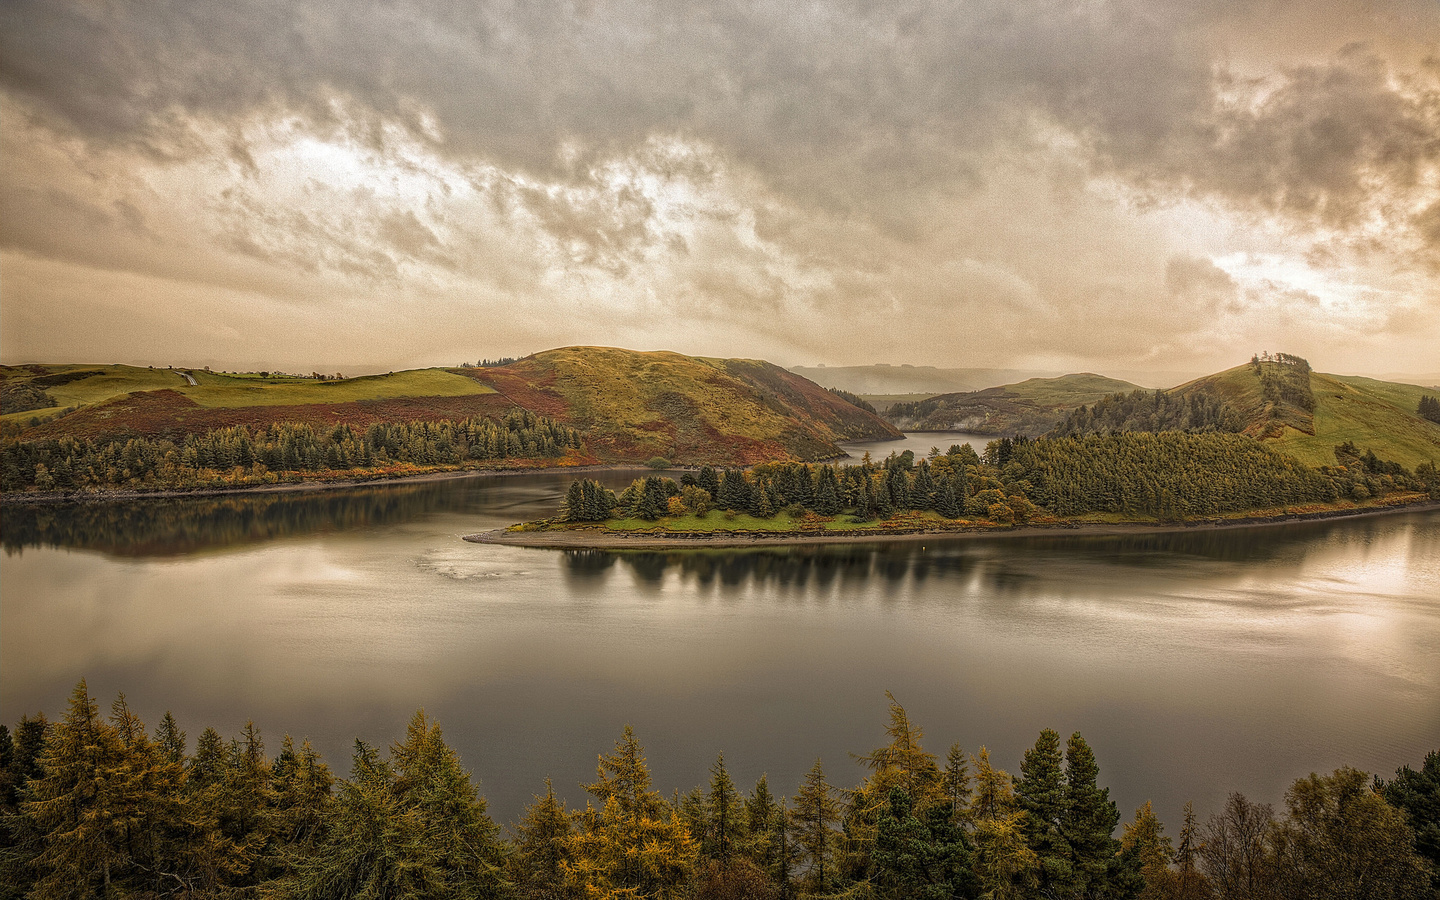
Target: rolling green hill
[100, 402]
[629, 406]
[1029, 407]
[1296, 410]
[636, 405]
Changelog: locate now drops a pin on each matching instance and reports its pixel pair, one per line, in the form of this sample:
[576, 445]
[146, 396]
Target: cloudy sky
[1073, 185]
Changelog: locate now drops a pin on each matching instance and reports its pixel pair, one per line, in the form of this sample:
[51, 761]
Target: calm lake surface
[1195, 663]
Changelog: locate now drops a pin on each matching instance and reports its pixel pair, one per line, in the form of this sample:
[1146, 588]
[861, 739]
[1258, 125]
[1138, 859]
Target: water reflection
[180, 526]
[1017, 562]
[1196, 662]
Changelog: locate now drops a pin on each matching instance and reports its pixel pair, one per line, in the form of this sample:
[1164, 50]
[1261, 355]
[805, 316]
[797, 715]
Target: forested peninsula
[98, 806]
[1098, 479]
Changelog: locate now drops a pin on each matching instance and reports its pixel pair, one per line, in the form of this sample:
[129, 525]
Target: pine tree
[923, 491]
[956, 782]
[1088, 821]
[815, 816]
[171, 739]
[947, 503]
[541, 857]
[1041, 793]
[723, 808]
[636, 841]
[74, 805]
[1146, 839]
[827, 494]
[920, 855]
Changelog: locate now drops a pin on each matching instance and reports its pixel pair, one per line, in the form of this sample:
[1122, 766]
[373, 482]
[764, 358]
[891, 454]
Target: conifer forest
[98, 805]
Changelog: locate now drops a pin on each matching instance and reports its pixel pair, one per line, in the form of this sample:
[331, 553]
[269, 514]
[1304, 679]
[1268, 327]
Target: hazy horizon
[1061, 186]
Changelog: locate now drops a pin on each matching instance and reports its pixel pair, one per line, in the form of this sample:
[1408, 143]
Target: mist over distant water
[1194, 662]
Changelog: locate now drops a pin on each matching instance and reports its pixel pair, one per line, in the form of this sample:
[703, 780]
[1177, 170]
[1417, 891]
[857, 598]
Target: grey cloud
[1199, 281]
[861, 109]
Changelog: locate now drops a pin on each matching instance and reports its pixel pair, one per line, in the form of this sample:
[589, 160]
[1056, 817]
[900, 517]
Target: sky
[1089, 185]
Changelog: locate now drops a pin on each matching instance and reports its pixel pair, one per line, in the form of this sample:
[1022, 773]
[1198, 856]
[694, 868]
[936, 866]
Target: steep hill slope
[1030, 407]
[636, 405]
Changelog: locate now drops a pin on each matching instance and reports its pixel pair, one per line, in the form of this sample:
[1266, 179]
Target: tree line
[853, 400]
[1429, 409]
[96, 806]
[1158, 410]
[240, 455]
[1171, 475]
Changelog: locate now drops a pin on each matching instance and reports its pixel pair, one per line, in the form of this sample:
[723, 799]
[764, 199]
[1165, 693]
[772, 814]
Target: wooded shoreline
[614, 540]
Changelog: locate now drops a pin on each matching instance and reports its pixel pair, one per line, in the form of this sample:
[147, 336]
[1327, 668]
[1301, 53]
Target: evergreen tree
[636, 842]
[1145, 838]
[541, 858]
[956, 782]
[1087, 823]
[827, 494]
[709, 481]
[926, 858]
[924, 489]
[815, 816]
[724, 808]
[1042, 795]
[947, 503]
[1418, 795]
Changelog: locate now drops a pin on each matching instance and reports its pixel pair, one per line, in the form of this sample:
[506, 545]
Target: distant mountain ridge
[1030, 407]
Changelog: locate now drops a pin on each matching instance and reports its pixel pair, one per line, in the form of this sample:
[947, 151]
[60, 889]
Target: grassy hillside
[1320, 411]
[634, 406]
[126, 401]
[630, 406]
[1029, 407]
[1376, 415]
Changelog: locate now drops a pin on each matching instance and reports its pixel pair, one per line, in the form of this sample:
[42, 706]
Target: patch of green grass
[111, 381]
[1376, 415]
[1068, 391]
[226, 391]
[715, 522]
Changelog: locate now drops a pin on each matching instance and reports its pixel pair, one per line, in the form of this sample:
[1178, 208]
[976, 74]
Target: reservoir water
[1195, 663]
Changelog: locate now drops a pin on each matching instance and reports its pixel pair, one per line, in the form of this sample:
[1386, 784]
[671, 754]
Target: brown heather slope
[167, 414]
[633, 406]
[629, 406]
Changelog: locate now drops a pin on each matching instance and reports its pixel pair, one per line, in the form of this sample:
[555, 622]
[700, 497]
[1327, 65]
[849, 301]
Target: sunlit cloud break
[1118, 184]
